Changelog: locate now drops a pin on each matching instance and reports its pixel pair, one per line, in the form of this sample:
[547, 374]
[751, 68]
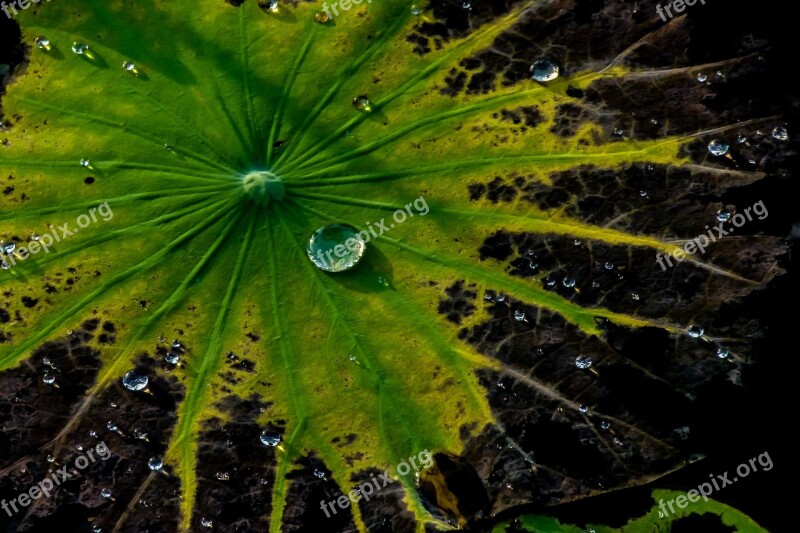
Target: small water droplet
[550, 281]
[155, 463]
[319, 473]
[135, 381]
[49, 378]
[533, 265]
[206, 522]
[270, 438]
[723, 215]
[362, 103]
[635, 296]
[741, 138]
[169, 147]
[111, 425]
[51, 458]
[416, 10]
[466, 5]
[130, 67]
[642, 193]
[172, 358]
[718, 148]
[176, 344]
[595, 284]
[695, 331]
[654, 122]
[617, 441]
[105, 493]
[609, 266]
[352, 357]
[264, 481]
[568, 282]
[544, 70]
[93, 433]
[519, 316]
[723, 353]
[719, 77]
[583, 361]
[271, 5]
[617, 132]
[139, 434]
[335, 248]
[501, 297]
[80, 48]
[576, 242]
[702, 77]
[222, 476]
[97, 529]
[583, 409]
[780, 133]
[79, 447]
[322, 18]
[85, 163]
[42, 42]
[9, 248]
[604, 425]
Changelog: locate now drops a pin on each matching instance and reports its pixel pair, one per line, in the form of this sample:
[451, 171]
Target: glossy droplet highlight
[49, 378]
[723, 215]
[695, 331]
[519, 316]
[544, 70]
[134, 381]
[362, 103]
[105, 493]
[718, 148]
[130, 67]
[336, 248]
[583, 409]
[270, 438]
[42, 43]
[416, 10]
[85, 163]
[583, 361]
[206, 522]
[780, 133]
[80, 48]
[723, 353]
[322, 18]
[172, 358]
[155, 463]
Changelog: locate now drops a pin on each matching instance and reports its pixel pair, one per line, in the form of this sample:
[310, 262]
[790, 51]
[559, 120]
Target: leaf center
[263, 187]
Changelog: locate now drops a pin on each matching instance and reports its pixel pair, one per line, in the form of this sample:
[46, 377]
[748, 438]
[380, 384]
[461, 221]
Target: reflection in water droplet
[272, 5]
[80, 48]
[362, 103]
[544, 70]
[702, 77]
[695, 331]
[49, 378]
[635, 296]
[780, 133]
[155, 463]
[583, 361]
[172, 358]
[609, 266]
[336, 248]
[723, 215]
[270, 438]
[134, 381]
[718, 148]
[466, 5]
[42, 42]
[105, 493]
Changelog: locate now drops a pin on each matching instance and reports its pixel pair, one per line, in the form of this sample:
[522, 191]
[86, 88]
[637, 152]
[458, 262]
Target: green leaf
[654, 521]
[210, 159]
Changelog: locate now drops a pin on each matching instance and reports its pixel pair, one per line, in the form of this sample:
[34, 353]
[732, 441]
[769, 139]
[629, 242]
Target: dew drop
[723, 353]
[111, 425]
[85, 163]
[176, 344]
[583, 361]
[42, 42]
[643, 193]
[155, 463]
[270, 438]
[222, 476]
[322, 18]
[416, 10]
[9, 248]
[595, 284]
[568, 282]
[635, 296]
[466, 5]
[544, 70]
[519, 316]
[352, 357]
[130, 67]
[162, 339]
[723, 215]
[702, 77]
[604, 425]
[207, 522]
[335, 248]
[93, 433]
[741, 138]
[139, 434]
[80, 48]
[362, 103]
[49, 378]
[780, 133]
[609, 266]
[271, 5]
[319, 473]
[718, 148]
[134, 381]
[583, 409]
[172, 358]
[105, 493]
[51, 458]
[695, 331]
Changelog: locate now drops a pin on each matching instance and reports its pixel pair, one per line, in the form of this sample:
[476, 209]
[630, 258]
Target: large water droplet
[270, 438]
[718, 148]
[335, 248]
[780, 133]
[42, 42]
[155, 463]
[544, 70]
[80, 48]
[134, 381]
[695, 331]
[583, 361]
